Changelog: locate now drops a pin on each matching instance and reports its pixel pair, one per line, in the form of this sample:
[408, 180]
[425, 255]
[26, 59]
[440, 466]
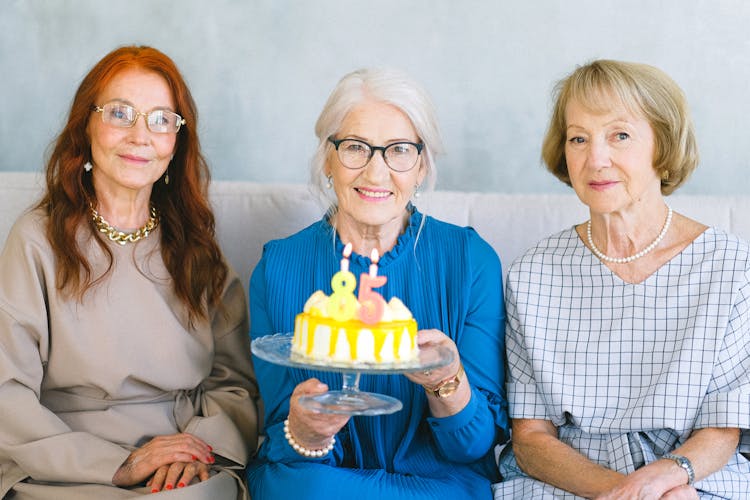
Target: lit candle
[345, 260]
[374, 257]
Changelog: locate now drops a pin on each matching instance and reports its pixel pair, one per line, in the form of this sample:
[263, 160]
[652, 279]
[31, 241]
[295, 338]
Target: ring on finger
[427, 373]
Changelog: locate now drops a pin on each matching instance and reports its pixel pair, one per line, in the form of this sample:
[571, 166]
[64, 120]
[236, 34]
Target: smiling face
[610, 158]
[130, 159]
[374, 196]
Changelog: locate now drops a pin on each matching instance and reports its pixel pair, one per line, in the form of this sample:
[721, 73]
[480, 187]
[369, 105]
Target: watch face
[448, 388]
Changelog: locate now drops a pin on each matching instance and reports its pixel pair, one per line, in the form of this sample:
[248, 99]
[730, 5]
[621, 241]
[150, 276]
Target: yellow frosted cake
[323, 338]
[345, 329]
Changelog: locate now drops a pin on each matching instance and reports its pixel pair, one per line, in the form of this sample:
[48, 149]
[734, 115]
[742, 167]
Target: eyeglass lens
[160, 121]
[399, 156]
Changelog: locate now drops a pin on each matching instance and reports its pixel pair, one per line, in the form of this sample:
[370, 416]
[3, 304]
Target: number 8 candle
[342, 305]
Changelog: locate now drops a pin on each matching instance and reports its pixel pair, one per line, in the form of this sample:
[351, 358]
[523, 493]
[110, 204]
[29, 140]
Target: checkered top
[627, 371]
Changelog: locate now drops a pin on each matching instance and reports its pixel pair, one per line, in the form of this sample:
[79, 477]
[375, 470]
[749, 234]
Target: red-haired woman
[124, 357]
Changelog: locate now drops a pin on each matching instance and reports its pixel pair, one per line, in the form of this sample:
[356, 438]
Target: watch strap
[684, 463]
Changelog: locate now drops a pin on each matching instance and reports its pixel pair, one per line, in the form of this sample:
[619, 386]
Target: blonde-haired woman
[627, 335]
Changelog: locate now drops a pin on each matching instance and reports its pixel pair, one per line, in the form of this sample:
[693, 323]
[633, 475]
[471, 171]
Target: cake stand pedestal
[349, 400]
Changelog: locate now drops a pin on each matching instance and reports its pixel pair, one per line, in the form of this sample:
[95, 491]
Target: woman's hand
[450, 405]
[659, 479]
[683, 492]
[177, 475]
[311, 429]
[431, 378]
[160, 451]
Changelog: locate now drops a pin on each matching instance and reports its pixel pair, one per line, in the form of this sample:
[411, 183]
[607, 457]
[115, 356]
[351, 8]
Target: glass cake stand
[349, 400]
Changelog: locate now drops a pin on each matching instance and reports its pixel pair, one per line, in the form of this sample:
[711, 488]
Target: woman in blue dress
[377, 137]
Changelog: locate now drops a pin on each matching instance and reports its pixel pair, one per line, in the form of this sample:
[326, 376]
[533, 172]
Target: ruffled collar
[405, 240]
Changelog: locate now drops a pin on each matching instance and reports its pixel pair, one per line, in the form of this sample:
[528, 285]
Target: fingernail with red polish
[209, 448]
[154, 490]
[169, 486]
[181, 485]
[194, 458]
[211, 459]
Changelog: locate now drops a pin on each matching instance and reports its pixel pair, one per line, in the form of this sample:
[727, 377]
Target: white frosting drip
[321, 342]
[365, 346]
[342, 351]
[386, 353]
[405, 350]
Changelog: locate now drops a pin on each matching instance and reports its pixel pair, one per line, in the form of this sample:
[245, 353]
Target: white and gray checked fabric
[627, 371]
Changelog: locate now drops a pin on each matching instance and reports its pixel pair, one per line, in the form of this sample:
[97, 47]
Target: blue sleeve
[275, 382]
[472, 433]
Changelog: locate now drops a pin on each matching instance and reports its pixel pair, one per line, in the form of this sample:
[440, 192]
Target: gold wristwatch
[448, 386]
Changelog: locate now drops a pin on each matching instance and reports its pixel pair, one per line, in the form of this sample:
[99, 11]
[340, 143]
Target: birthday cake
[344, 329]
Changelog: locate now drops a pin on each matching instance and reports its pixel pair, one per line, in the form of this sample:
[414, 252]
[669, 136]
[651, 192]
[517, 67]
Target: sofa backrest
[249, 214]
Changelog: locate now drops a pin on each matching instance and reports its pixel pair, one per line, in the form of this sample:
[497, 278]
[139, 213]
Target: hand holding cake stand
[367, 311]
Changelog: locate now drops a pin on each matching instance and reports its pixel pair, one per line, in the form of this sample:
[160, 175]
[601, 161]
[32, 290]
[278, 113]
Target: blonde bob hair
[643, 90]
[382, 85]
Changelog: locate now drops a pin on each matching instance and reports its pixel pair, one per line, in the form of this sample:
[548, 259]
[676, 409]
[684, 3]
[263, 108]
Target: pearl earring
[329, 184]
[88, 166]
[417, 192]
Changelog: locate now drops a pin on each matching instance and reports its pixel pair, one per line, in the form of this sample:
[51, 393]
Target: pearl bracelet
[301, 449]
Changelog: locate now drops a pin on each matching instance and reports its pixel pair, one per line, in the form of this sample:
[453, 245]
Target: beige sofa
[249, 214]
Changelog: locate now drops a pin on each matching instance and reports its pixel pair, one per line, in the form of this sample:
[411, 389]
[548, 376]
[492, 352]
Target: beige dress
[82, 383]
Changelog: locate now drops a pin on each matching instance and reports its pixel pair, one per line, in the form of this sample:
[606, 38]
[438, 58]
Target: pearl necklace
[625, 260]
[120, 237]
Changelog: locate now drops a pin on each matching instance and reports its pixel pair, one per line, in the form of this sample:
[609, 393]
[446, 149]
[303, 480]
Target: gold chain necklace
[118, 236]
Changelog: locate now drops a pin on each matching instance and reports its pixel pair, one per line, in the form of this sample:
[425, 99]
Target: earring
[417, 192]
[329, 184]
[166, 177]
[88, 166]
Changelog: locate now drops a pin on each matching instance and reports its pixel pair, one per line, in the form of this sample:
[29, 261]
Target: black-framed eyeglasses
[159, 121]
[355, 154]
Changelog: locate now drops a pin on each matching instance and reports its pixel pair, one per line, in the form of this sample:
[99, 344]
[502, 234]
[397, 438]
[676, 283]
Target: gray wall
[261, 70]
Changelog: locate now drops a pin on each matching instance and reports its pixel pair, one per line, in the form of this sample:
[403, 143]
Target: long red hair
[188, 240]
